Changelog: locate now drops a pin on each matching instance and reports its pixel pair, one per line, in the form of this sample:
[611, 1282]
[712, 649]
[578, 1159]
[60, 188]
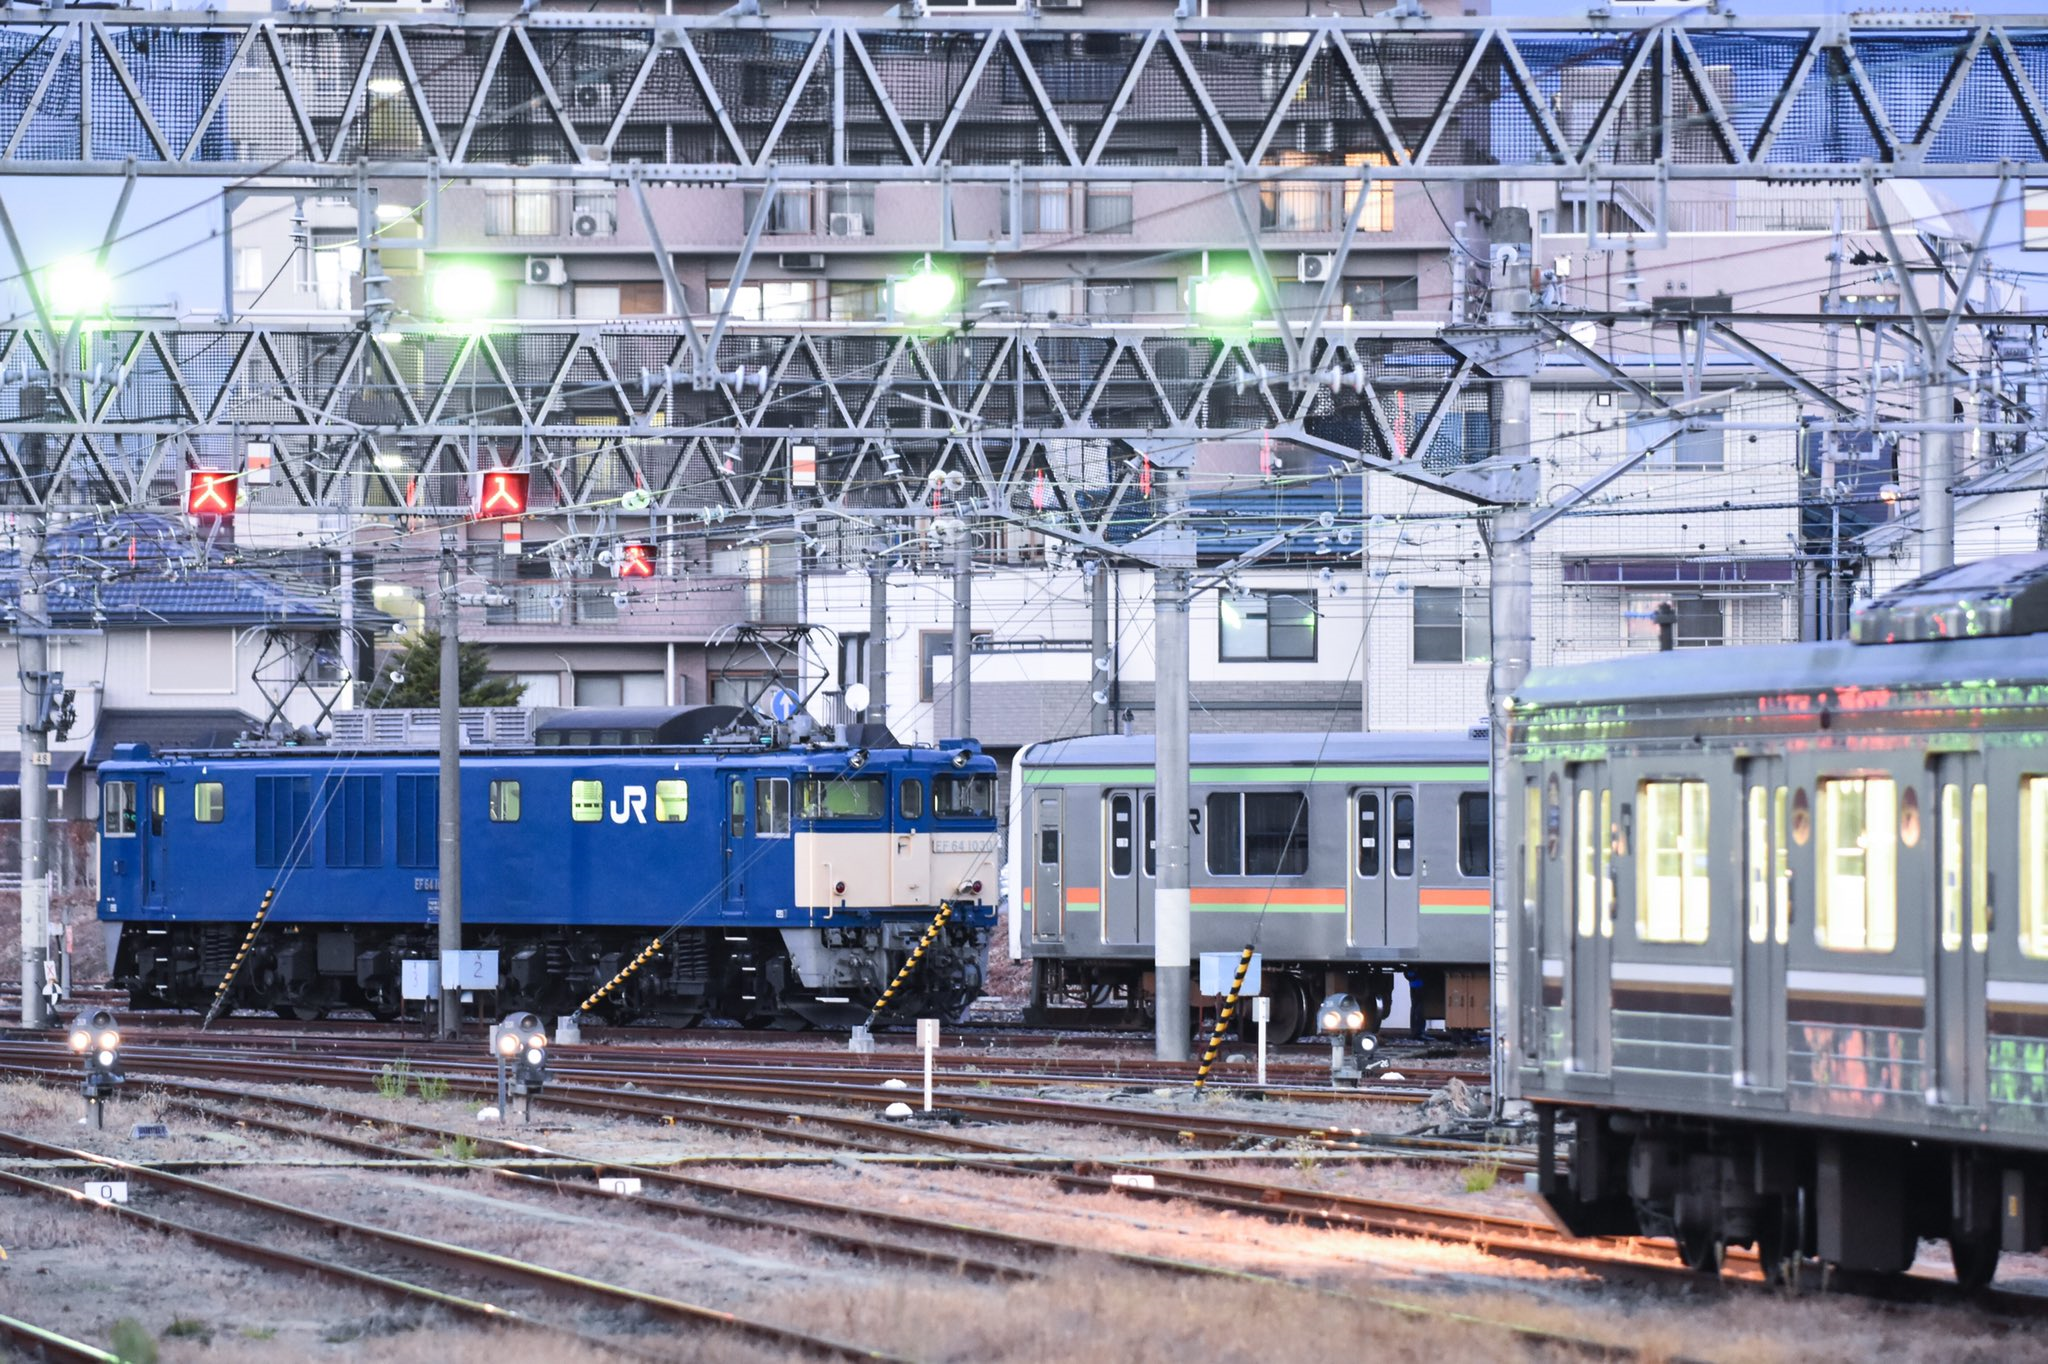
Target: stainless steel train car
[1781, 948]
[1344, 858]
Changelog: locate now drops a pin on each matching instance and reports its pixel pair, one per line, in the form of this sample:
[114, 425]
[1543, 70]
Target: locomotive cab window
[910, 799]
[771, 807]
[964, 797]
[1475, 833]
[1258, 833]
[1857, 904]
[831, 798]
[671, 801]
[586, 801]
[209, 802]
[156, 809]
[504, 802]
[1674, 901]
[117, 809]
[736, 808]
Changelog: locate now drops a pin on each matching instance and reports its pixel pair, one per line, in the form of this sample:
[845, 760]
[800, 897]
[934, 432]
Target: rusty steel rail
[48, 1345]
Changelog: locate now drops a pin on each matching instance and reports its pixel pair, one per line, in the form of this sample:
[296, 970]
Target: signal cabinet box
[1466, 1000]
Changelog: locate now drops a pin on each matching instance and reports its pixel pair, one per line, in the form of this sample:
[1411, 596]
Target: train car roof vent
[2002, 596]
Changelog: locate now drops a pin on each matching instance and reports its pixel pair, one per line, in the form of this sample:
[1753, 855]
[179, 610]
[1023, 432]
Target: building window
[671, 802]
[586, 801]
[1695, 442]
[853, 300]
[935, 645]
[117, 809]
[531, 208]
[1701, 621]
[780, 300]
[1294, 208]
[771, 807]
[1452, 625]
[853, 660]
[1676, 882]
[1377, 300]
[1857, 907]
[1257, 833]
[1475, 833]
[504, 802]
[620, 689]
[1108, 208]
[1378, 215]
[249, 267]
[209, 802]
[1266, 626]
[850, 211]
[1047, 208]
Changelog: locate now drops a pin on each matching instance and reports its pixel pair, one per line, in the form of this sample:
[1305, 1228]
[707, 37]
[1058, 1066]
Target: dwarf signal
[635, 559]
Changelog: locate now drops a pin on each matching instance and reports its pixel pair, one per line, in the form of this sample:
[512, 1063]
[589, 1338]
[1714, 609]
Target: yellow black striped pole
[1244, 965]
[931, 933]
[646, 955]
[235, 967]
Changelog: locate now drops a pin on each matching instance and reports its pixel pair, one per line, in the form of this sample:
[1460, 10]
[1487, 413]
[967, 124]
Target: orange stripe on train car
[1084, 895]
[1457, 897]
[1303, 895]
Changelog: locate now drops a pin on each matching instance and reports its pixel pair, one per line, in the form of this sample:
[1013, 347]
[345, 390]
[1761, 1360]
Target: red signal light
[210, 494]
[636, 560]
[501, 492]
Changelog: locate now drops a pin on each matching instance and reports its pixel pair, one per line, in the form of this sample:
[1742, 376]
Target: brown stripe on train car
[1703, 1001]
[1871, 1011]
[2018, 1020]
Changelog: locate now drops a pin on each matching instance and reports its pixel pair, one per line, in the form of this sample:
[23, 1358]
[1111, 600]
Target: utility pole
[963, 634]
[450, 878]
[1937, 468]
[1172, 919]
[1101, 666]
[878, 642]
[32, 655]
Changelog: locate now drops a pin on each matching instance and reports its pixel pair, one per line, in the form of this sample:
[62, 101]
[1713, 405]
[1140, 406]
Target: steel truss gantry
[1692, 96]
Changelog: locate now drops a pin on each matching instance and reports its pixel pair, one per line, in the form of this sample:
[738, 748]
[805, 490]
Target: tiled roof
[164, 730]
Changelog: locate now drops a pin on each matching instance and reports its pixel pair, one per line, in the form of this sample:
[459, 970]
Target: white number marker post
[1262, 1011]
[928, 1042]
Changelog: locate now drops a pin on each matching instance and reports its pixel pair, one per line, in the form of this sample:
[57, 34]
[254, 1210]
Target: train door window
[1951, 852]
[1475, 829]
[586, 801]
[1781, 870]
[1593, 853]
[1121, 854]
[910, 799]
[156, 809]
[1980, 867]
[1532, 834]
[1152, 836]
[771, 807]
[1857, 904]
[1257, 833]
[117, 809]
[209, 802]
[1757, 863]
[504, 802]
[1369, 833]
[671, 801]
[1404, 834]
[1049, 831]
[2033, 866]
[1675, 900]
[736, 806]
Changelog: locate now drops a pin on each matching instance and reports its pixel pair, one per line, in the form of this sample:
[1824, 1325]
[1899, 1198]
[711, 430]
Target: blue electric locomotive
[797, 877]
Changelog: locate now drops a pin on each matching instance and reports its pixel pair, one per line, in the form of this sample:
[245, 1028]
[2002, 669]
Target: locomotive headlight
[960, 758]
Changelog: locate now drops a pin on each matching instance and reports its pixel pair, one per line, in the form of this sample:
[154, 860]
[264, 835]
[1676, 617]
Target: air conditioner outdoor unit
[546, 270]
[801, 260]
[849, 225]
[1313, 268]
[586, 224]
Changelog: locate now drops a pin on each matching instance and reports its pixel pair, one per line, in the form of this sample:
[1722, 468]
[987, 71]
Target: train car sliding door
[1045, 867]
[1128, 865]
[1385, 905]
[1766, 927]
[1962, 928]
[1592, 956]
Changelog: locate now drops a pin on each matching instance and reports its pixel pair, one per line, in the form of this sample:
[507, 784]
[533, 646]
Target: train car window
[1674, 902]
[1122, 855]
[1757, 863]
[969, 797]
[843, 798]
[1369, 833]
[1781, 871]
[156, 809]
[771, 807]
[2034, 866]
[209, 802]
[1857, 904]
[1257, 833]
[736, 808]
[117, 809]
[1586, 847]
[910, 799]
[1980, 867]
[671, 801]
[1951, 854]
[586, 801]
[1049, 831]
[1475, 833]
[1404, 834]
[504, 802]
[1152, 836]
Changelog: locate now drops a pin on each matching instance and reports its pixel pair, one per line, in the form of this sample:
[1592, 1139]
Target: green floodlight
[1225, 298]
[926, 292]
[463, 292]
[77, 287]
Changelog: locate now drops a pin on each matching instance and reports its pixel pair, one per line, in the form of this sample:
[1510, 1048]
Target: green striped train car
[1346, 859]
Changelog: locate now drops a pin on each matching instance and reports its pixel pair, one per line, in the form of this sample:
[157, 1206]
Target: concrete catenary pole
[877, 712]
[1173, 929]
[963, 635]
[450, 879]
[1937, 474]
[1101, 665]
[32, 655]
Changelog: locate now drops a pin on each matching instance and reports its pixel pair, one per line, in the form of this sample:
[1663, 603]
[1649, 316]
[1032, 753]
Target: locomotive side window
[1404, 836]
[671, 801]
[1475, 833]
[964, 797]
[209, 802]
[839, 798]
[1121, 854]
[2034, 866]
[1857, 905]
[1675, 903]
[156, 810]
[117, 809]
[1259, 833]
[504, 802]
[586, 801]
[771, 807]
[910, 799]
[736, 808]
[1369, 834]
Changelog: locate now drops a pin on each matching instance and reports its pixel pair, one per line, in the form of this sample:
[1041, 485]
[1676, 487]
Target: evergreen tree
[420, 662]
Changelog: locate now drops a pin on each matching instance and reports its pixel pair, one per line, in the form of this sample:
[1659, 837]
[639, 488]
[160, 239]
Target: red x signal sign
[501, 492]
[210, 494]
[636, 560]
